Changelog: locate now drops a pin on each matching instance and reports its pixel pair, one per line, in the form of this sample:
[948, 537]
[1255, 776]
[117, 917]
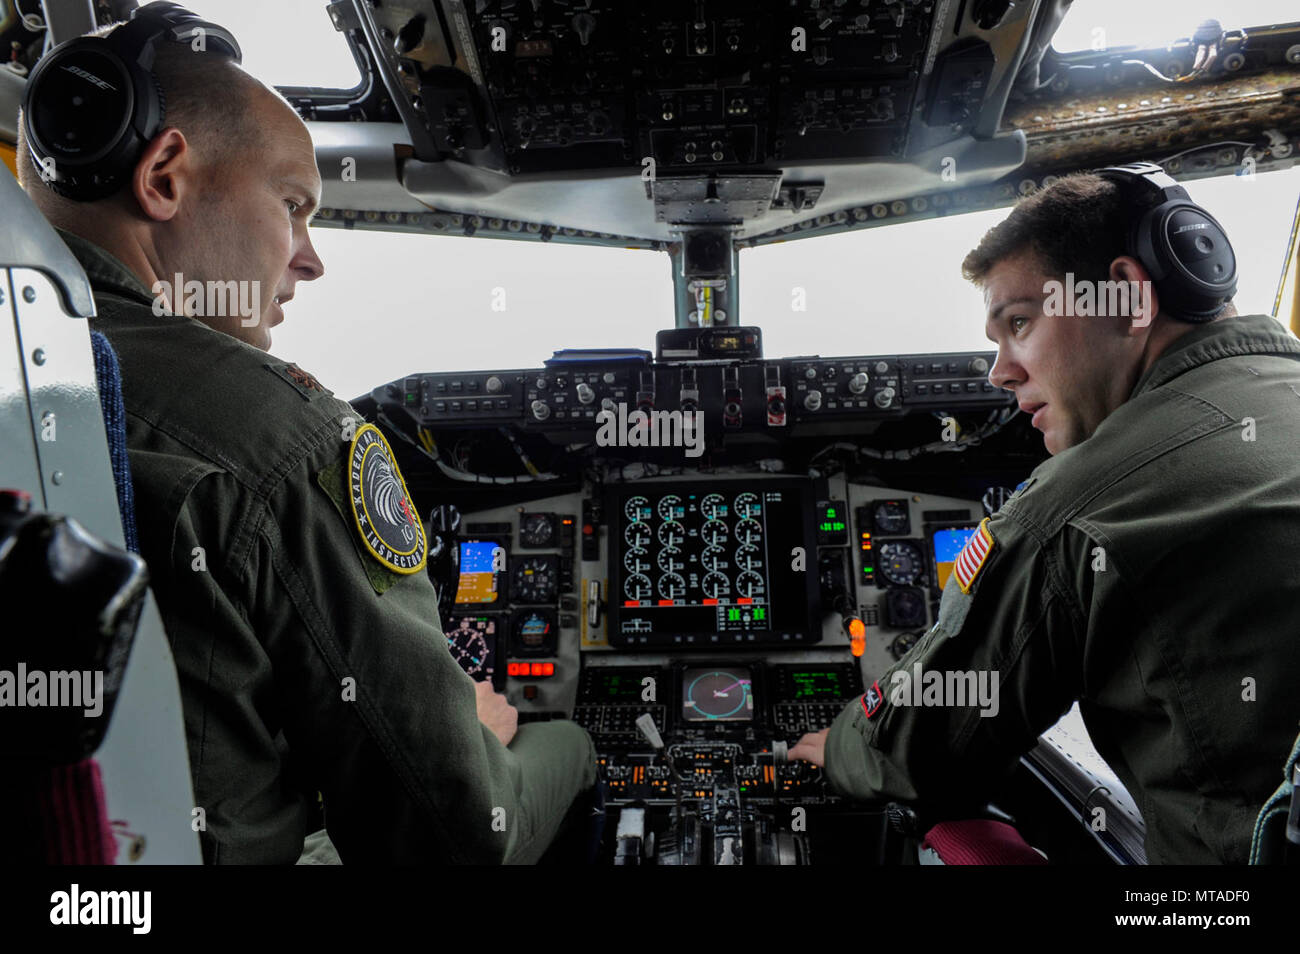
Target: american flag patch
[972, 556]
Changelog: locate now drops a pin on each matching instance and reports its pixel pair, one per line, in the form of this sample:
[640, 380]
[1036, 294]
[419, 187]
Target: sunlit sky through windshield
[392, 304]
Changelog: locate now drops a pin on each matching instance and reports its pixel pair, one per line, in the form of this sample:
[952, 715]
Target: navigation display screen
[717, 695]
[713, 563]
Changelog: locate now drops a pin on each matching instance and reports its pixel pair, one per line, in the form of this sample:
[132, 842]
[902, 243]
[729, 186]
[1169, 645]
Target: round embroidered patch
[381, 506]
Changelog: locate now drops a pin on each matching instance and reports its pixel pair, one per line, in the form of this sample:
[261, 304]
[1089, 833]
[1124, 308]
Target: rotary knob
[585, 394]
[541, 410]
[493, 385]
[884, 397]
[810, 373]
[978, 366]
[812, 401]
[882, 367]
[858, 383]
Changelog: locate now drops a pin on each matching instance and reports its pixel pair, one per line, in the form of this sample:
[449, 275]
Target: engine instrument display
[713, 563]
[717, 695]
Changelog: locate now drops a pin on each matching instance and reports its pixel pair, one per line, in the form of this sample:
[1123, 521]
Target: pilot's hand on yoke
[495, 712]
[811, 748]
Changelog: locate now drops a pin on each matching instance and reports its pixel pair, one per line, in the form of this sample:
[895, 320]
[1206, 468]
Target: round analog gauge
[637, 560]
[637, 509]
[749, 584]
[901, 646]
[670, 560]
[748, 557]
[670, 508]
[533, 580]
[536, 530]
[534, 634]
[638, 587]
[714, 533]
[637, 534]
[900, 562]
[672, 586]
[712, 557]
[749, 531]
[715, 585]
[714, 507]
[890, 517]
[671, 533]
[747, 505]
[468, 644]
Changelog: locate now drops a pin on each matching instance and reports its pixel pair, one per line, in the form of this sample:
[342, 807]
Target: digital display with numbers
[814, 685]
[713, 563]
[832, 523]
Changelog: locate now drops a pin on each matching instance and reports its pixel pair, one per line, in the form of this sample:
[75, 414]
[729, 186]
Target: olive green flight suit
[305, 664]
[1152, 573]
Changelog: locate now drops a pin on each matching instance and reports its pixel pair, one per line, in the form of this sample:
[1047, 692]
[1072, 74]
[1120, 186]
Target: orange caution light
[857, 645]
[857, 629]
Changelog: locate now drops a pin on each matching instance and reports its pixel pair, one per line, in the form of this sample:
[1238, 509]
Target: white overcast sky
[390, 304]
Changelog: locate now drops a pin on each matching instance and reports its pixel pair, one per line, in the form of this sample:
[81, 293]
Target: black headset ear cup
[1183, 248]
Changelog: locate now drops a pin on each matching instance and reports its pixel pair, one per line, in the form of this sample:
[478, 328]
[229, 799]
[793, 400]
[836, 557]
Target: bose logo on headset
[1193, 274]
[89, 77]
[89, 130]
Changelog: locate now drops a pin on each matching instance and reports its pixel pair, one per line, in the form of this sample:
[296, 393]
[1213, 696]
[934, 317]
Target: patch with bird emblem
[381, 506]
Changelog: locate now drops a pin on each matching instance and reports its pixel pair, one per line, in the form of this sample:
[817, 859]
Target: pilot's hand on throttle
[811, 748]
[495, 712]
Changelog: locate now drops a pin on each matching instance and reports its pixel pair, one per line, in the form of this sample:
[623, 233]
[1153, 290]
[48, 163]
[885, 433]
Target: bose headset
[92, 104]
[1185, 250]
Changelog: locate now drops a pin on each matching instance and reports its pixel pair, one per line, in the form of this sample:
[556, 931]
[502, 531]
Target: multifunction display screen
[713, 563]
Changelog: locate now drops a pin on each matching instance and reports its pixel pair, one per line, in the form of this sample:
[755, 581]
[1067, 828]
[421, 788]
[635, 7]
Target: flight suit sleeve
[376, 714]
[1000, 666]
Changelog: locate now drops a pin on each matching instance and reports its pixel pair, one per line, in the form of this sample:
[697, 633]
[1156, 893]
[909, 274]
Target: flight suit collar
[105, 271]
[1226, 338]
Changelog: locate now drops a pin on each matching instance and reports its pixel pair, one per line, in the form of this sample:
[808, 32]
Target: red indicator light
[665, 602]
[744, 600]
[710, 601]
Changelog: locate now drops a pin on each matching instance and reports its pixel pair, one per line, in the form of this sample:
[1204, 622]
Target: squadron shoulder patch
[300, 380]
[872, 699]
[972, 556]
[381, 506]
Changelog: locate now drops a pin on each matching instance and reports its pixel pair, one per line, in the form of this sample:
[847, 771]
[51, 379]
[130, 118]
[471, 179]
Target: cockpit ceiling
[626, 124]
